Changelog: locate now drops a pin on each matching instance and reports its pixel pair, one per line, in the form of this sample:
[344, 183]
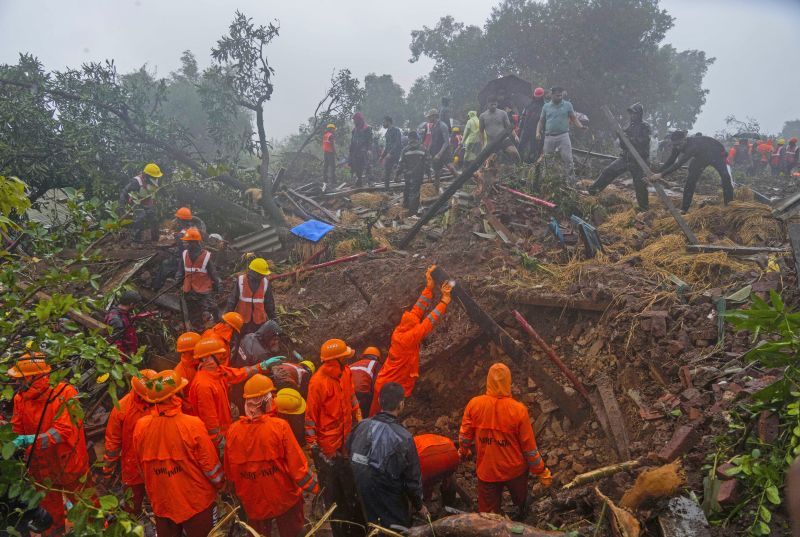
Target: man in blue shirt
[554, 121]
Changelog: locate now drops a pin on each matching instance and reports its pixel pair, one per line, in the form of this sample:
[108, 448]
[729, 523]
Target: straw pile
[744, 222]
[369, 200]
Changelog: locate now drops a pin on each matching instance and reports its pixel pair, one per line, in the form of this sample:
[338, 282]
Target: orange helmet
[334, 349]
[138, 383]
[192, 234]
[234, 319]
[187, 341]
[208, 346]
[163, 385]
[371, 351]
[29, 366]
[184, 213]
[258, 385]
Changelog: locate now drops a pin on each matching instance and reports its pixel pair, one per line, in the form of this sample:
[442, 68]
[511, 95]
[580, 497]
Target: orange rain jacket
[60, 450]
[224, 332]
[208, 397]
[438, 456]
[501, 426]
[267, 466]
[402, 362]
[331, 408]
[179, 463]
[119, 437]
[187, 368]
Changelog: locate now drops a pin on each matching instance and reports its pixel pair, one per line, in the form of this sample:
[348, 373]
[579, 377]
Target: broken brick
[727, 492]
[658, 323]
[685, 374]
[722, 470]
[682, 440]
[675, 347]
[690, 394]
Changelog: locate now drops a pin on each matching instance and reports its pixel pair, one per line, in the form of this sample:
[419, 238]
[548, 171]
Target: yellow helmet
[310, 365]
[781, 141]
[289, 401]
[330, 126]
[153, 170]
[259, 265]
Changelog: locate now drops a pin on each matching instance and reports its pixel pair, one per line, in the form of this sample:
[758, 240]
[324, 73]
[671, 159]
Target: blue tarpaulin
[312, 230]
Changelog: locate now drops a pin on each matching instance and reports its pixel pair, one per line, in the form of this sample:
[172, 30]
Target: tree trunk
[274, 212]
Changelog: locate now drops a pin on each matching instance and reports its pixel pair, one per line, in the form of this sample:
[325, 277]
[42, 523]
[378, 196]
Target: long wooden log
[687, 231]
[548, 350]
[465, 176]
[571, 405]
[316, 205]
[200, 198]
[734, 250]
[77, 316]
[309, 268]
[527, 197]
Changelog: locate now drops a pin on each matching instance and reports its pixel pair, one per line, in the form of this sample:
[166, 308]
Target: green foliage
[12, 200]
[760, 467]
[384, 97]
[791, 129]
[33, 322]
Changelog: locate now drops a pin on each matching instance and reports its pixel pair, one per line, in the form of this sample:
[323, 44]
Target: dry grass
[370, 200]
[345, 247]
[428, 191]
[348, 218]
[746, 223]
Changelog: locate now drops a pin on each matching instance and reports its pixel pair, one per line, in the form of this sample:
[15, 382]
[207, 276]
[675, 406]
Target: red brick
[727, 492]
[682, 440]
[722, 469]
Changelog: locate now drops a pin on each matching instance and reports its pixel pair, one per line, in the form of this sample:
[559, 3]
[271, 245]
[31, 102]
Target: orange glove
[447, 287]
[429, 276]
[546, 478]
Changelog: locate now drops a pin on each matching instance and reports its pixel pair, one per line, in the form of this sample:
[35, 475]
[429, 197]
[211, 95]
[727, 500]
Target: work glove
[447, 287]
[429, 276]
[275, 360]
[546, 478]
[464, 452]
[24, 440]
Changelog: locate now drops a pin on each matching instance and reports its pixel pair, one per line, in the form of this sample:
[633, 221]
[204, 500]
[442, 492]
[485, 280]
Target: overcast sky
[756, 44]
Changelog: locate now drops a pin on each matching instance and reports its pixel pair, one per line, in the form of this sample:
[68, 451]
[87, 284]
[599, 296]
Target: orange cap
[372, 351]
[164, 385]
[234, 319]
[192, 234]
[138, 383]
[184, 213]
[333, 349]
[187, 341]
[208, 347]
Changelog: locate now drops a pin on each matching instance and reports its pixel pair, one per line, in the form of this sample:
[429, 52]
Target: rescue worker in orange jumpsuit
[438, 460]
[181, 469]
[331, 411]
[198, 277]
[329, 154]
[267, 467]
[184, 220]
[777, 158]
[500, 429]
[252, 296]
[54, 439]
[364, 372]
[208, 394]
[226, 331]
[187, 367]
[119, 440]
[402, 362]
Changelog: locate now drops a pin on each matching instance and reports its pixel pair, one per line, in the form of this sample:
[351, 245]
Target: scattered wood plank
[569, 404]
[278, 178]
[316, 205]
[787, 206]
[734, 250]
[794, 240]
[615, 420]
[309, 268]
[465, 176]
[350, 278]
[687, 231]
[505, 234]
[123, 276]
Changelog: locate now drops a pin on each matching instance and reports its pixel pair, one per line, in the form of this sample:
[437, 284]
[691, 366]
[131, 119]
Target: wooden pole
[687, 231]
[465, 176]
[570, 405]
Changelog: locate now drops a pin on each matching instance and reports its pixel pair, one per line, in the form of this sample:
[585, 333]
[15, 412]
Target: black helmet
[636, 108]
[129, 298]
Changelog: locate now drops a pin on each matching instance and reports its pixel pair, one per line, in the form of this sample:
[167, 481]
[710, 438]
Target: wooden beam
[734, 250]
[571, 405]
[78, 316]
[615, 420]
[465, 176]
[278, 178]
[687, 231]
[316, 205]
[553, 301]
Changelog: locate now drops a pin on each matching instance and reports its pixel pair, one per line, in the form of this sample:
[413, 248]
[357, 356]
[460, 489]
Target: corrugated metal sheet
[266, 240]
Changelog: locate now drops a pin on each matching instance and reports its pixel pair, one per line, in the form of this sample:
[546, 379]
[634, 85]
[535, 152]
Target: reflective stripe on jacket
[331, 408]
[195, 273]
[251, 304]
